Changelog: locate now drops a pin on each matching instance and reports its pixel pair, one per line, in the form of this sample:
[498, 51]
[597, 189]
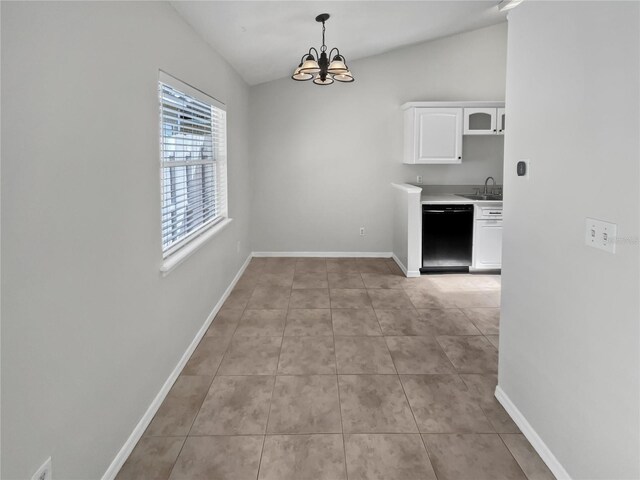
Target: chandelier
[318, 67]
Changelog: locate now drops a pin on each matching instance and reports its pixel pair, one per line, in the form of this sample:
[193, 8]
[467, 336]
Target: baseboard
[324, 254]
[407, 273]
[534, 439]
[144, 422]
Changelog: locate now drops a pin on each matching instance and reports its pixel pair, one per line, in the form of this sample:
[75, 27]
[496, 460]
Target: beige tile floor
[335, 369]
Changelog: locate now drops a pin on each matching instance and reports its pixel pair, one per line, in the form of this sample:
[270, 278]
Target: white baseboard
[407, 273]
[534, 439]
[144, 422]
[324, 254]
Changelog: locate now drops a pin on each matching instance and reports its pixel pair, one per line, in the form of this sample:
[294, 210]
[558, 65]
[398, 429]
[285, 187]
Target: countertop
[443, 198]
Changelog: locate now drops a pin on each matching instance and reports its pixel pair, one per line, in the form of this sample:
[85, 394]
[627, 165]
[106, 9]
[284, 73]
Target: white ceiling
[264, 40]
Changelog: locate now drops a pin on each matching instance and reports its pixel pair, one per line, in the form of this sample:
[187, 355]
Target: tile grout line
[428, 456]
[266, 425]
[479, 403]
[409, 403]
[474, 324]
[512, 456]
[335, 357]
[362, 432]
[212, 380]
[275, 377]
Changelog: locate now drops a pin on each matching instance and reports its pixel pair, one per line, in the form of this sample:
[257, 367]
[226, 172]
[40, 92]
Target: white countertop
[407, 187]
[442, 198]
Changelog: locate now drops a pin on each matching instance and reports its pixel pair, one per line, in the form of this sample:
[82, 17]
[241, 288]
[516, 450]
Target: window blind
[193, 155]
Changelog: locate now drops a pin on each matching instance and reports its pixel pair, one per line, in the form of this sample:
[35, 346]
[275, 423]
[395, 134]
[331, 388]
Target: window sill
[185, 252]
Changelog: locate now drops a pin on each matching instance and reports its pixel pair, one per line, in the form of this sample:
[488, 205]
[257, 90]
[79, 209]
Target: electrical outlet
[600, 234]
[44, 472]
[419, 179]
[362, 234]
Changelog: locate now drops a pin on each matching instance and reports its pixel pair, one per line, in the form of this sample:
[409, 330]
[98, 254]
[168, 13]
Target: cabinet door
[487, 248]
[438, 135]
[501, 121]
[480, 121]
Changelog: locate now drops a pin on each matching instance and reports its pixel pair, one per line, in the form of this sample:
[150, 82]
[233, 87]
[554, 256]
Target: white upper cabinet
[433, 130]
[484, 121]
[433, 135]
[501, 121]
[480, 121]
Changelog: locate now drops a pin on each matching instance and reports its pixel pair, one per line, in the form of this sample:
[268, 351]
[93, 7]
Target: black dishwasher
[447, 238]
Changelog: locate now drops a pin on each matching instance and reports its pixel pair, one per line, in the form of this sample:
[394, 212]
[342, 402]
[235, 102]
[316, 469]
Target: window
[193, 156]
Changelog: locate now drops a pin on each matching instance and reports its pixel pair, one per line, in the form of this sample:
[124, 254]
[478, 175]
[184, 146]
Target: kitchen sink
[472, 196]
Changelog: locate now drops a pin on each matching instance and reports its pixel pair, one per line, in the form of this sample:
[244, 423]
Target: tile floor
[336, 369]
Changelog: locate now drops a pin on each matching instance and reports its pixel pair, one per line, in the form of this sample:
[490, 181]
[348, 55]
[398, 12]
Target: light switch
[600, 234]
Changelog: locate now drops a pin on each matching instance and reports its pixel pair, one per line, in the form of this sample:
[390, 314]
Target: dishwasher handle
[445, 211]
[448, 209]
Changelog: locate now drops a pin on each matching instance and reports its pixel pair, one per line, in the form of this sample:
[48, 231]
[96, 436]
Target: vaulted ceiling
[264, 40]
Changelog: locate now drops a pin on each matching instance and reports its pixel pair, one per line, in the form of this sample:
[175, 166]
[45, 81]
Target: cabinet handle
[459, 158]
[494, 129]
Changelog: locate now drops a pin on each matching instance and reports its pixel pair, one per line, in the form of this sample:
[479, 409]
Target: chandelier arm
[314, 49]
[331, 53]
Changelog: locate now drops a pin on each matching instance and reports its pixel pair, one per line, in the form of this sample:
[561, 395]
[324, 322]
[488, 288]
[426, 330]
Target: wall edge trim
[407, 273]
[529, 432]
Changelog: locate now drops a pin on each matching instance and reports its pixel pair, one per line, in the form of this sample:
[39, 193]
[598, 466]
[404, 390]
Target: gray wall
[569, 353]
[90, 329]
[336, 149]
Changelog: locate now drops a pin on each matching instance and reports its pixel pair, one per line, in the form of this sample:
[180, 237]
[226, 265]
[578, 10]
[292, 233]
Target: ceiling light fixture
[508, 4]
[318, 67]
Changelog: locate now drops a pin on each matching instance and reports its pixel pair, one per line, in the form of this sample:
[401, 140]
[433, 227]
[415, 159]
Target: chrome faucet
[486, 182]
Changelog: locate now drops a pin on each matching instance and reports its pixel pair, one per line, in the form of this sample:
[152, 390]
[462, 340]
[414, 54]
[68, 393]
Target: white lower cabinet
[487, 238]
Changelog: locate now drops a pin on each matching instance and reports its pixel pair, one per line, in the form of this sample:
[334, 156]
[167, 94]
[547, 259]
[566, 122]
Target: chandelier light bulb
[319, 81]
[310, 65]
[345, 77]
[301, 76]
[337, 66]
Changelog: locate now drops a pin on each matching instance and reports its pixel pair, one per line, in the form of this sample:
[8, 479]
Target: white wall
[336, 149]
[90, 329]
[569, 353]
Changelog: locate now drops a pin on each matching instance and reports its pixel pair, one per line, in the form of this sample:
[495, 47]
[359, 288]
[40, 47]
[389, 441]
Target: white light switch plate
[600, 234]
